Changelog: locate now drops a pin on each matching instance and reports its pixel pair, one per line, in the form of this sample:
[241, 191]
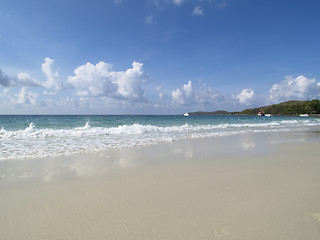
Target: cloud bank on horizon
[94, 85]
[156, 57]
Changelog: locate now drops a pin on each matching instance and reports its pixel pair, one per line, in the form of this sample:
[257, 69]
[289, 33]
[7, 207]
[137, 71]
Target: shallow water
[24, 136]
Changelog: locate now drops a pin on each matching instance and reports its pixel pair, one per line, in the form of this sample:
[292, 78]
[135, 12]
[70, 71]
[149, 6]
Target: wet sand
[248, 186]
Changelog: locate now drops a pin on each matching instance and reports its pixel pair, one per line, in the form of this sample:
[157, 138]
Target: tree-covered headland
[284, 108]
[289, 108]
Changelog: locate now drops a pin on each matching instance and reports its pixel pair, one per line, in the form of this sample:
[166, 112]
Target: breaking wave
[39, 142]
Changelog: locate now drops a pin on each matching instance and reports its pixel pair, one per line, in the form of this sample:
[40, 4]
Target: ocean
[24, 136]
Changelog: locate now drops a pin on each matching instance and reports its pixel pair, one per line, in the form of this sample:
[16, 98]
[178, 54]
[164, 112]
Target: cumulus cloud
[26, 97]
[300, 88]
[198, 11]
[184, 95]
[52, 76]
[246, 96]
[23, 79]
[94, 80]
[187, 95]
[100, 80]
[131, 80]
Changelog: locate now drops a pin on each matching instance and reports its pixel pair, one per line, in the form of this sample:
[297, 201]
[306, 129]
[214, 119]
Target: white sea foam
[39, 142]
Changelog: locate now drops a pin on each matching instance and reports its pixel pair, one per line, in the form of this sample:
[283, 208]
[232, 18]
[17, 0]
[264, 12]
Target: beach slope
[240, 187]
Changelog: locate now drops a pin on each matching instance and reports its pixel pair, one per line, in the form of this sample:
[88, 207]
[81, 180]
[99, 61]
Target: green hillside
[288, 108]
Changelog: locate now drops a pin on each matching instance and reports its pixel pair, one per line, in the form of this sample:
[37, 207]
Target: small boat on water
[261, 112]
[304, 115]
[186, 114]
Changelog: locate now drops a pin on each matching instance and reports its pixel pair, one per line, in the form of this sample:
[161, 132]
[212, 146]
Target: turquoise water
[25, 136]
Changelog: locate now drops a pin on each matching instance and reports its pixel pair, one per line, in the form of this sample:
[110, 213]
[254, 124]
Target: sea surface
[23, 136]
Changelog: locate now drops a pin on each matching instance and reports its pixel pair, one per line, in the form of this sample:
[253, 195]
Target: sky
[156, 56]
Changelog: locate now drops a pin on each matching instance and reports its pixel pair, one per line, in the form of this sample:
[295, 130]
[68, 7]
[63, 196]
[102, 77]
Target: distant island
[284, 108]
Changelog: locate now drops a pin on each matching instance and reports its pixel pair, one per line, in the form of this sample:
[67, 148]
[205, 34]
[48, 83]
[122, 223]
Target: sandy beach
[248, 186]
[159, 120]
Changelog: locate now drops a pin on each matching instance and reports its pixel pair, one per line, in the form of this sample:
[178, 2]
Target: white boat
[304, 115]
[186, 114]
[267, 115]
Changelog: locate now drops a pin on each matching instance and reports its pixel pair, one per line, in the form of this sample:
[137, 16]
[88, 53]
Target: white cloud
[184, 95]
[22, 97]
[52, 76]
[100, 80]
[94, 80]
[300, 88]
[178, 2]
[23, 79]
[198, 11]
[118, 1]
[26, 97]
[189, 96]
[130, 82]
[246, 96]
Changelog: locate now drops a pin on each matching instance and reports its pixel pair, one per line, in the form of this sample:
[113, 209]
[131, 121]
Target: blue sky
[156, 56]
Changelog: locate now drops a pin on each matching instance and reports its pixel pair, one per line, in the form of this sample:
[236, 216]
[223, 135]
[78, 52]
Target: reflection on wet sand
[98, 163]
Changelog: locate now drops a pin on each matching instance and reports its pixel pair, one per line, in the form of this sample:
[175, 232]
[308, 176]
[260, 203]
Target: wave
[139, 129]
[39, 142]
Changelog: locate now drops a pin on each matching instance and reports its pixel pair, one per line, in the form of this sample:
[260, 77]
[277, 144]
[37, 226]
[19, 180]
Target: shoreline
[61, 136]
[248, 186]
[100, 162]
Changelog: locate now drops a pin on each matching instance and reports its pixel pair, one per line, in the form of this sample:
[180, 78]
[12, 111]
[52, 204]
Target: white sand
[241, 187]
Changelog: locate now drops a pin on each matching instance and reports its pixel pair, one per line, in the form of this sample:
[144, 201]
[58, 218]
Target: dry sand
[249, 187]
